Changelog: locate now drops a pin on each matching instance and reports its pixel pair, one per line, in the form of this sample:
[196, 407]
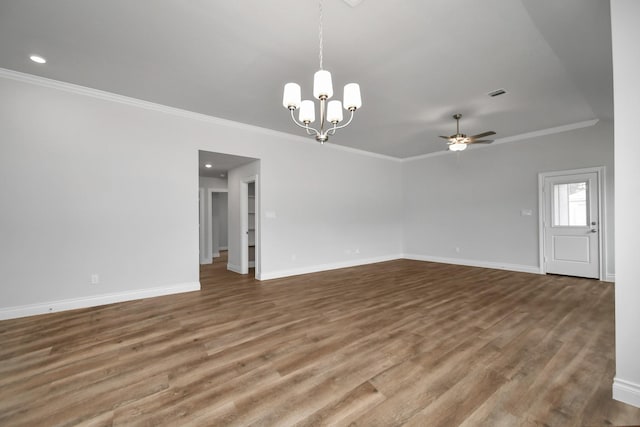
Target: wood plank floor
[396, 343]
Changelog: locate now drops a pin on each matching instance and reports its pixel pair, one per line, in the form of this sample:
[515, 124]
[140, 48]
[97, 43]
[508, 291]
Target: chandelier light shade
[352, 98]
[322, 86]
[291, 98]
[307, 112]
[330, 114]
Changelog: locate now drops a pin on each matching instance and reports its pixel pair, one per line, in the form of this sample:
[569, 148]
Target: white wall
[473, 200]
[89, 186]
[81, 170]
[212, 183]
[626, 63]
[331, 210]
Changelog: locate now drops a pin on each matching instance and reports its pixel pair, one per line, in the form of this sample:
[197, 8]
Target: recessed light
[208, 165]
[37, 58]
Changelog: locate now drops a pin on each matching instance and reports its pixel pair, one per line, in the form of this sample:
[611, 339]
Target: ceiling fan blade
[482, 141]
[445, 137]
[482, 135]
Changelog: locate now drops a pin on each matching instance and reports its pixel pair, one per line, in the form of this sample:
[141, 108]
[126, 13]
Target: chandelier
[330, 111]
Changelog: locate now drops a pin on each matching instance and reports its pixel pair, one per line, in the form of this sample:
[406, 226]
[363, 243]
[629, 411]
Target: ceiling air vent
[497, 92]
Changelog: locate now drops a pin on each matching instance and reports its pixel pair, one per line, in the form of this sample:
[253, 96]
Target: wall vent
[497, 92]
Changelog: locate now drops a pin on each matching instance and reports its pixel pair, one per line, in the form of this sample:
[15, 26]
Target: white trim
[202, 249]
[208, 229]
[600, 172]
[324, 267]
[95, 300]
[234, 268]
[626, 391]
[609, 277]
[548, 131]
[514, 138]
[224, 248]
[252, 264]
[363, 152]
[475, 263]
[108, 96]
[134, 102]
[333, 266]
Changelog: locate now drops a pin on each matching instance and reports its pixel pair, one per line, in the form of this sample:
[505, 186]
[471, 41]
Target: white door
[572, 225]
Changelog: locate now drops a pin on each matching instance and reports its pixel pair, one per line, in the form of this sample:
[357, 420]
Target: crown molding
[515, 138]
[135, 102]
[112, 97]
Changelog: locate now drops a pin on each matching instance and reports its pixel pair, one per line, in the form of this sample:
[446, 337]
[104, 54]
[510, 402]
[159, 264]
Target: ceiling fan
[459, 141]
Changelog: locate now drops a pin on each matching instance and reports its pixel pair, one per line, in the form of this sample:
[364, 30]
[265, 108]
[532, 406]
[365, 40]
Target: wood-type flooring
[396, 343]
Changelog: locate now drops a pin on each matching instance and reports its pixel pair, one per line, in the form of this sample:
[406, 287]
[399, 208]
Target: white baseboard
[206, 261]
[234, 268]
[475, 263]
[324, 267]
[223, 248]
[237, 269]
[609, 277]
[627, 392]
[216, 255]
[95, 300]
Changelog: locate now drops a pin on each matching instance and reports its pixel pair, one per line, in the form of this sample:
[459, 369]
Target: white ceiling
[417, 62]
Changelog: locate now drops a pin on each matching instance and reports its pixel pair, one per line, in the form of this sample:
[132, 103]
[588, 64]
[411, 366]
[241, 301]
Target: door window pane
[570, 204]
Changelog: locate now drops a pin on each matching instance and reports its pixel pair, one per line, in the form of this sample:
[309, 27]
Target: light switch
[526, 212]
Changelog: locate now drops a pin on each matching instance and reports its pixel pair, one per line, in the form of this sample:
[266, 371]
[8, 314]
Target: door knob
[593, 230]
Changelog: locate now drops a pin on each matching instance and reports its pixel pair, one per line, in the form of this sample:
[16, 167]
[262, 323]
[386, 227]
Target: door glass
[570, 204]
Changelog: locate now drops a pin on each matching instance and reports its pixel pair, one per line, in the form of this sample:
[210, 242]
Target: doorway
[571, 222]
[219, 224]
[220, 176]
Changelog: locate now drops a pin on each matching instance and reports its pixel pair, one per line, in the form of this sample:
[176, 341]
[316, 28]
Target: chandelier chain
[320, 32]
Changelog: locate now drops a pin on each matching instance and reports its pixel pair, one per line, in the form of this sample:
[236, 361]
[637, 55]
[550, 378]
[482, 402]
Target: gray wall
[473, 200]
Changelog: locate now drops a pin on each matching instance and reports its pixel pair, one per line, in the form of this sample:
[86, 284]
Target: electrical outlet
[95, 279]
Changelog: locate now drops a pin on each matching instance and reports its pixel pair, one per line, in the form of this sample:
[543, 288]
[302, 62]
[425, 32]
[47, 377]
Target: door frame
[244, 220]
[201, 227]
[602, 227]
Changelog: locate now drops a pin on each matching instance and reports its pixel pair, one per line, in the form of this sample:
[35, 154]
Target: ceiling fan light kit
[330, 111]
[459, 141]
[457, 146]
